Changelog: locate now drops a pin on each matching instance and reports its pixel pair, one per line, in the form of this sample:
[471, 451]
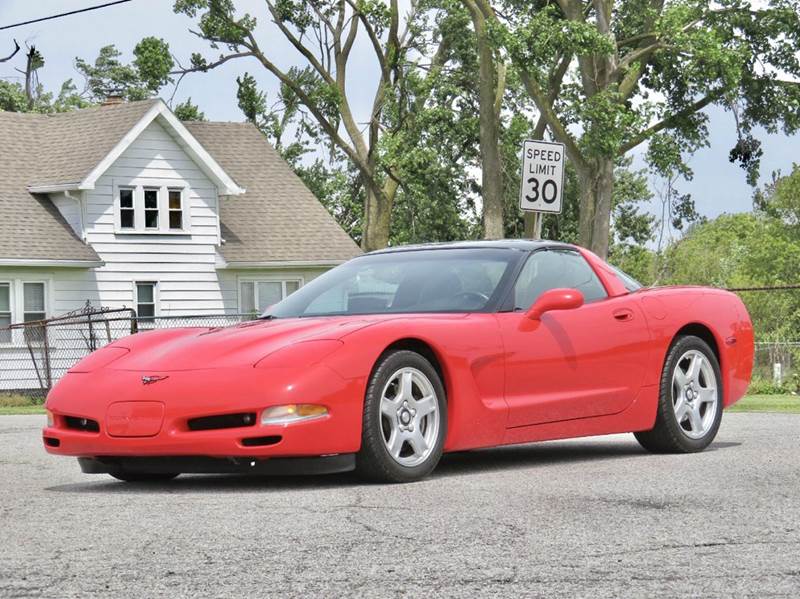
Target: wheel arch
[702, 331]
[424, 349]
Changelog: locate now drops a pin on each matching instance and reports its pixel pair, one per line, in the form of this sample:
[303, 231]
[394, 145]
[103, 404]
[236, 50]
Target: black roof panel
[510, 244]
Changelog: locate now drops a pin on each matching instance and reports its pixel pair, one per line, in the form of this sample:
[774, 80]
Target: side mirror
[555, 299]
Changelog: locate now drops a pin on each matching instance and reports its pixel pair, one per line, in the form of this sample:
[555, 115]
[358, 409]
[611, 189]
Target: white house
[124, 205]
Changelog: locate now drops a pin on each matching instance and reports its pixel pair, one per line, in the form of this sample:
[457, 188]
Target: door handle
[623, 314]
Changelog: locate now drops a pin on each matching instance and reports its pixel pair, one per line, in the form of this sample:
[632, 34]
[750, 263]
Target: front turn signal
[292, 413]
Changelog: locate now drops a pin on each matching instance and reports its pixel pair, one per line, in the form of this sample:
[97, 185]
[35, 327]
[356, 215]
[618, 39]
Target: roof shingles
[278, 218]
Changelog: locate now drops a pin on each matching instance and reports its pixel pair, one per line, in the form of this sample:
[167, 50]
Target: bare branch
[13, 54]
[298, 44]
[670, 121]
[211, 65]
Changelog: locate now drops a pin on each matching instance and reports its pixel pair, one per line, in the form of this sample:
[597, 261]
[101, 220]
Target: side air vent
[261, 441]
[82, 424]
[210, 423]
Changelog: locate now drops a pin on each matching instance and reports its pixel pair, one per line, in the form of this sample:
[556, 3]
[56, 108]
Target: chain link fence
[34, 355]
[777, 365]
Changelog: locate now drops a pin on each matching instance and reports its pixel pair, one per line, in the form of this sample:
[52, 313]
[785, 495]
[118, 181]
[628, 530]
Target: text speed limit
[542, 176]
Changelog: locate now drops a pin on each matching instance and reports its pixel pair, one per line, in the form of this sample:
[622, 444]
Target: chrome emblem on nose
[149, 380]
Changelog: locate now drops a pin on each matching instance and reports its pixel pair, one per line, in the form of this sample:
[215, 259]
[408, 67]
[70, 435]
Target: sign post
[542, 184]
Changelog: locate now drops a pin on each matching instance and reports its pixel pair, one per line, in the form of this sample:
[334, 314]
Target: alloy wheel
[694, 394]
[409, 417]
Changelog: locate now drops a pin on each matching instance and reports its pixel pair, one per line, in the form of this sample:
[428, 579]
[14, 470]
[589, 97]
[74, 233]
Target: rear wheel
[690, 401]
[405, 420]
[143, 477]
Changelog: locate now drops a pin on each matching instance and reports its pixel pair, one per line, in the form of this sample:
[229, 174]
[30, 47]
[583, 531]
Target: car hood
[236, 346]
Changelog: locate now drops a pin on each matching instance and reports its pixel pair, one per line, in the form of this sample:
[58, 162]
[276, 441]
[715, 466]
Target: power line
[64, 14]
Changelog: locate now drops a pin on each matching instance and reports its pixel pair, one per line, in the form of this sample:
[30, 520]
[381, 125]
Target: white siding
[70, 210]
[182, 265]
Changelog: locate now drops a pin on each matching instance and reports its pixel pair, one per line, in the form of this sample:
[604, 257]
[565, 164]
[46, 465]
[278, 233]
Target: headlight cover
[99, 359]
[292, 413]
[302, 353]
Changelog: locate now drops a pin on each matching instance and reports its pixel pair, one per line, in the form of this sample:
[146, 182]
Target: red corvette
[397, 356]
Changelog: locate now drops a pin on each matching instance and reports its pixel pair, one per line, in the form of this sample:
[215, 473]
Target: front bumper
[203, 465]
[196, 394]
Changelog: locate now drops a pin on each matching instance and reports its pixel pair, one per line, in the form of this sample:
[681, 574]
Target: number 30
[548, 193]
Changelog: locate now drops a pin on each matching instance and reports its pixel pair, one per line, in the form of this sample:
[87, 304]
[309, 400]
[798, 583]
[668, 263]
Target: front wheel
[690, 401]
[405, 420]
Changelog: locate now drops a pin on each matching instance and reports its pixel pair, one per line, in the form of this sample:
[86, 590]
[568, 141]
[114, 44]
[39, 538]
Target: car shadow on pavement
[543, 454]
[464, 463]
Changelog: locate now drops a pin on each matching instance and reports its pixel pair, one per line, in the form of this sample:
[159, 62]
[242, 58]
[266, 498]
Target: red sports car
[386, 362]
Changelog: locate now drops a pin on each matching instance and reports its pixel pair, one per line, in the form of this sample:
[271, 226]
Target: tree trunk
[492, 174]
[377, 216]
[596, 184]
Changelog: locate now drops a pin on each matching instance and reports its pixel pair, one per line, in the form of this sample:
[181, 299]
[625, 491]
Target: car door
[589, 361]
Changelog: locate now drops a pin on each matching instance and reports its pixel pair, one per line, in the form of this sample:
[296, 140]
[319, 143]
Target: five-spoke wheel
[409, 416]
[405, 419]
[690, 403]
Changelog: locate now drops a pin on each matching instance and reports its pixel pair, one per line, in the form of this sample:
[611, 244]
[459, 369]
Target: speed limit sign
[542, 184]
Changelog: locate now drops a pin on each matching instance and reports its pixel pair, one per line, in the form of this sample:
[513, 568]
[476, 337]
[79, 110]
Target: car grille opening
[52, 441]
[82, 424]
[210, 423]
[261, 441]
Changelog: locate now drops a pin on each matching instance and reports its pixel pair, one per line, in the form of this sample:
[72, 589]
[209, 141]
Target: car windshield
[441, 280]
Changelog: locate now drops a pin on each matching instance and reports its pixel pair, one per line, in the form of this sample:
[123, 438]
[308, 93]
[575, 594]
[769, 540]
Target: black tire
[373, 461]
[668, 436]
[143, 477]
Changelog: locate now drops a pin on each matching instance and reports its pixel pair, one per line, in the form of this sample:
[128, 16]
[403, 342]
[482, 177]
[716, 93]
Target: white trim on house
[227, 186]
[282, 264]
[283, 279]
[53, 263]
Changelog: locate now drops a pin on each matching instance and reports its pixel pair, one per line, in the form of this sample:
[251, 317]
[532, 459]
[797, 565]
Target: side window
[550, 269]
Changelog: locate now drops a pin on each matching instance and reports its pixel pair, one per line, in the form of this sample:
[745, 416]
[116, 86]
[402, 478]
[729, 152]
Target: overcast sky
[718, 185]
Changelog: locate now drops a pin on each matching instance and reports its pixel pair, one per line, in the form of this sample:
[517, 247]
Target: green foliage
[759, 386]
[186, 111]
[153, 63]
[12, 97]
[744, 250]
[136, 81]
[781, 199]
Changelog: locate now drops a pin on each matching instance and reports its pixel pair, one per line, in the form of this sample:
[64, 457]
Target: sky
[718, 186]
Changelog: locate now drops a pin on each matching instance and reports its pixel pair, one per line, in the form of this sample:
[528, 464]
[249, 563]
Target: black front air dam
[332, 464]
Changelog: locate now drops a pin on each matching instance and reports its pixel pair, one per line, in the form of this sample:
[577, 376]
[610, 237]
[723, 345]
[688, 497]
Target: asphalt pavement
[595, 517]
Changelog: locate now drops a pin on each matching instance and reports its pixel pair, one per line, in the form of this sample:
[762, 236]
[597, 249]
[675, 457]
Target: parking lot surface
[594, 517]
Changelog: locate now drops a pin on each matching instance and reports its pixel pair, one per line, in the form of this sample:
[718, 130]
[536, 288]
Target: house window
[151, 208]
[5, 312]
[147, 207]
[33, 309]
[127, 213]
[175, 209]
[33, 302]
[256, 296]
[146, 301]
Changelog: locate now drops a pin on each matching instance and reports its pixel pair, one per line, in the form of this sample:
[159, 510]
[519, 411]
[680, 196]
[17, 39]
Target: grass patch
[21, 410]
[787, 404]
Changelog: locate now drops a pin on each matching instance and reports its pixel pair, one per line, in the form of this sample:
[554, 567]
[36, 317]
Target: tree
[607, 76]
[323, 34]
[143, 78]
[186, 111]
[491, 89]
[780, 199]
[744, 250]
